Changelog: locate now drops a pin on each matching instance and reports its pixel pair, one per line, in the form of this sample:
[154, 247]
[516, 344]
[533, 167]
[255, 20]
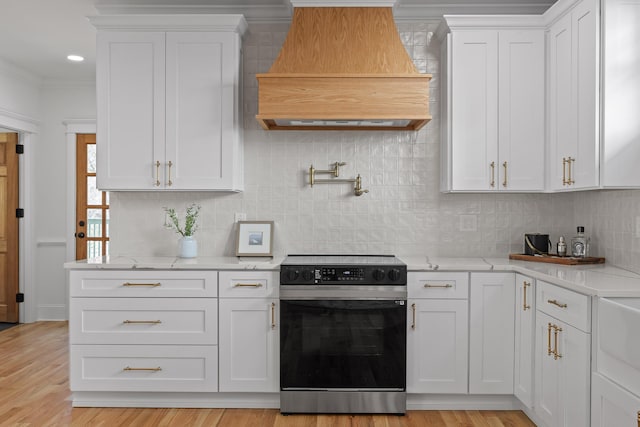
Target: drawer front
[438, 285]
[143, 321]
[143, 368]
[565, 305]
[249, 284]
[149, 283]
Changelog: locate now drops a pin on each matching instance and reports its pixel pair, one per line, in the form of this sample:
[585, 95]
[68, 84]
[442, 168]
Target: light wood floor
[34, 391]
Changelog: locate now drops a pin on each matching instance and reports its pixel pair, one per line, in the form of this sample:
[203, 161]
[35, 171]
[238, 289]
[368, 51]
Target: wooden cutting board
[558, 260]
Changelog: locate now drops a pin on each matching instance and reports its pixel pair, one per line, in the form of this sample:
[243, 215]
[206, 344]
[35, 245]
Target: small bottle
[562, 247]
[580, 244]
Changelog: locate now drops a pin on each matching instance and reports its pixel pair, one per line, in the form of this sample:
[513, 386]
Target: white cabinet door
[524, 339]
[573, 99]
[562, 137]
[585, 24]
[437, 337]
[563, 369]
[201, 72]
[248, 341]
[621, 103]
[130, 81]
[491, 333]
[474, 110]
[611, 405]
[521, 132]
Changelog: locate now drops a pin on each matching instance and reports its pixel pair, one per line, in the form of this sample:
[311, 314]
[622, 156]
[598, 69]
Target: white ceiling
[37, 35]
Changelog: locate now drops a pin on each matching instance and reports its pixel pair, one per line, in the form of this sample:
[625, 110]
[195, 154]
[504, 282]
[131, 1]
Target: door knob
[80, 235]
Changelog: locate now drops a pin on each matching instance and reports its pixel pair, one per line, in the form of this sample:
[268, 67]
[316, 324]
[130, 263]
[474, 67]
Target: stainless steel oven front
[343, 338]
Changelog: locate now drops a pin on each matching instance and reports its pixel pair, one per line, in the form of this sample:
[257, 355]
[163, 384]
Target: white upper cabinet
[573, 104]
[169, 115]
[494, 119]
[621, 89]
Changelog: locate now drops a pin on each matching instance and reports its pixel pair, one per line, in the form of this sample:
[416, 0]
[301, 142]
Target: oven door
[343, 344]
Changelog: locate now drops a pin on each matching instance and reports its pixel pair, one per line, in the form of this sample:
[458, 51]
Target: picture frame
[254, 238]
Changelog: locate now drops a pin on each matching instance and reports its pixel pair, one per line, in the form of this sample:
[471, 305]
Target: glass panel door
[92, 205]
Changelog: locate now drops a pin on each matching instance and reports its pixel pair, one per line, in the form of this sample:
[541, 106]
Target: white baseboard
[52, 312]
[175, 400]
[461, 402]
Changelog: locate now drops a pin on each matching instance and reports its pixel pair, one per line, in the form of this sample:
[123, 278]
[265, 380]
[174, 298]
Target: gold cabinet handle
[127, 368]
[169, 183]
[549, 352]
[556, 329]
[492, 165]
[446, 285]
[570, 181]
[564, 171]
[525, 285]
[504, 182]
[149, 322]
[273, 315]
[157, 173]
[413, 316]
[153, 285]
[247, 285]
[555, 302]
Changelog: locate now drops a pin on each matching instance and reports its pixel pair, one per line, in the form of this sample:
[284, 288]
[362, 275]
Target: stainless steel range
[343, 334]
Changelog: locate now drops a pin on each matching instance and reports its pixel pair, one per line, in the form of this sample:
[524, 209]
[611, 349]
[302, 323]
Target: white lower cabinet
[612, 405]
[249, 338]
[491, 333]
[437, 332]
[142, 331]
[562, 357]
[524, 339]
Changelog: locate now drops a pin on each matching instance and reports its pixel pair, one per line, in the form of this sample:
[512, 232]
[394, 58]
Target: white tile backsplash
[403, 213]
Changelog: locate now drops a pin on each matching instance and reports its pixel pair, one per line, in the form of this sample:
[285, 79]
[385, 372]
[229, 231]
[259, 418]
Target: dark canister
[536, 244]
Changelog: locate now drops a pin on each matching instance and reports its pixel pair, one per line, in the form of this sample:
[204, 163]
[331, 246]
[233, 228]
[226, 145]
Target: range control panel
[340, 274]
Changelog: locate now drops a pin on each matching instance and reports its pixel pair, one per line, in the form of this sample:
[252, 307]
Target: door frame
[28, 129]
[74, 127]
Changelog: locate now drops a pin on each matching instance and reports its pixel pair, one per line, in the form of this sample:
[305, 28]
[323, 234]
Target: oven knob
[291, 275]
[394, 274]
[378, 274]
[307, 275]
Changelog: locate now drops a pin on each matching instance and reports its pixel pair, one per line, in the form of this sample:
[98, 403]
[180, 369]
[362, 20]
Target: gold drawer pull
[429, 285]
[127, 368]
[525, 285]
[273, 315]
[153, 285]
[247, 285]
[413, 320]
[555, 302]
[549, 352]
[133, 322]
[556, 329]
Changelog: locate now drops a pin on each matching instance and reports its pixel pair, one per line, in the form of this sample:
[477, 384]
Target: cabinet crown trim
[185, 22]
[494, 22]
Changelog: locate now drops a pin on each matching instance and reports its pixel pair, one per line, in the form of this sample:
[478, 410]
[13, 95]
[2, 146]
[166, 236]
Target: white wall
[19, 91]
[59, 102]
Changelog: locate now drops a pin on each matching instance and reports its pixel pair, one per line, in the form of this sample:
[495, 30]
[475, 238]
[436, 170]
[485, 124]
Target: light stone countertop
[597, 280]
[175, 263]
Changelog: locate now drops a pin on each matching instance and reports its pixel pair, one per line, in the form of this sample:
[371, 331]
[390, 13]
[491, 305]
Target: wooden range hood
[343, 68]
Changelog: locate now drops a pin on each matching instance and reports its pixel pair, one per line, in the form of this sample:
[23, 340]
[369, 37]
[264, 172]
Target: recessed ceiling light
[75, 58]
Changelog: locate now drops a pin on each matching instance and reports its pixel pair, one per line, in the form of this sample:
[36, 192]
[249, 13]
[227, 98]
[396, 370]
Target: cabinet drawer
[150, 283]
[143, 321]
[565, 305]
[143, 368]
[438, 285]
[249, 284]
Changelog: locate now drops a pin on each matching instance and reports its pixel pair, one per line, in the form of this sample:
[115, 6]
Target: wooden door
[92, 205]
[9, 244]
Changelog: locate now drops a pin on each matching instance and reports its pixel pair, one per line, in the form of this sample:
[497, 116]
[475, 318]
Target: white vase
[188, 247]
